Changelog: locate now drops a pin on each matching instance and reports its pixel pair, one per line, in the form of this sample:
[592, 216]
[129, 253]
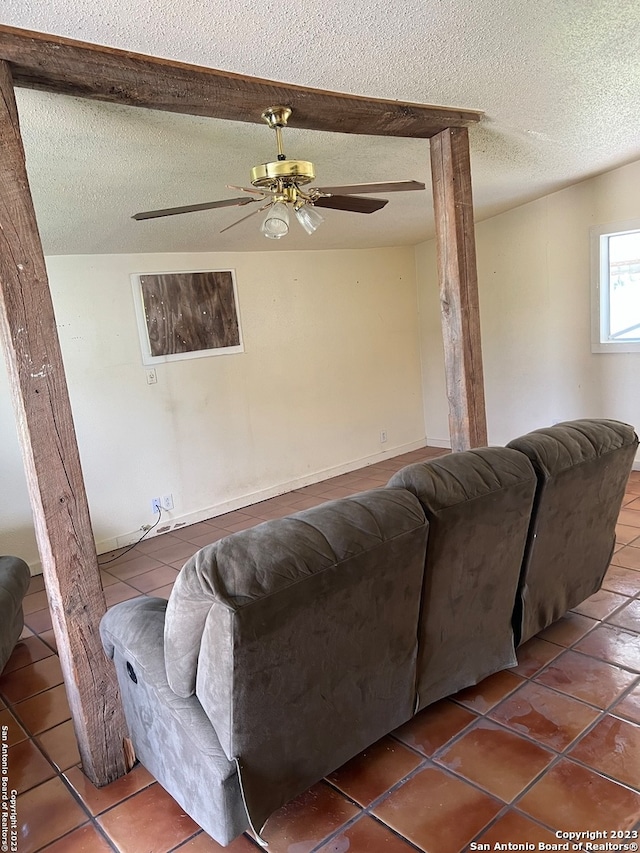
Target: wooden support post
[453, 205]
[52, 463]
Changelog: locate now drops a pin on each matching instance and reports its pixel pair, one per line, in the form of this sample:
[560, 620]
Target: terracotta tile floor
[552, 744]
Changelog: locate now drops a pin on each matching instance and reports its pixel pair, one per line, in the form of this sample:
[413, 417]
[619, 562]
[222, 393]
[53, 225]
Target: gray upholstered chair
[582, 468]
[14, 583]
[478, 504]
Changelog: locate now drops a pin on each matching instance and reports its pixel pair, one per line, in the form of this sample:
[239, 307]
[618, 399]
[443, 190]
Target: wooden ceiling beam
[69, 67]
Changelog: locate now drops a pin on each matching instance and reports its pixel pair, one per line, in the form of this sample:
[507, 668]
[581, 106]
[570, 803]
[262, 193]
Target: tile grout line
[91, 822]
[499, 817]
[58, 774]
[602, 773]
[367, 810]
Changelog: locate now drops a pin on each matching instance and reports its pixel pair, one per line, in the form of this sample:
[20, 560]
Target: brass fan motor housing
[290, 171]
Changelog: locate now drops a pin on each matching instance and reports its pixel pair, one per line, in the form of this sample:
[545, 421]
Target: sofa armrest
[14, 580]
[133, 637]
[172, 736]
[136, 629]
[132, 634]
[14, 583]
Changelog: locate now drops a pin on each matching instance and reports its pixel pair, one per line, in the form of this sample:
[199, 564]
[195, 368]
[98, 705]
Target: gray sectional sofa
[287, 648]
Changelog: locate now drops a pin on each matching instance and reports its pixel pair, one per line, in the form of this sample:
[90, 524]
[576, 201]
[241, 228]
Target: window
[615, 274]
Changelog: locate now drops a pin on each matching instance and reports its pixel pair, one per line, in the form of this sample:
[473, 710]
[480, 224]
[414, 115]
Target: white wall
[331, 359]
[534, 283]
[334, 349]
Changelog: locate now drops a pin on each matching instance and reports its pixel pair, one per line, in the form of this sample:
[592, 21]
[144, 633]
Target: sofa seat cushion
[299, 638]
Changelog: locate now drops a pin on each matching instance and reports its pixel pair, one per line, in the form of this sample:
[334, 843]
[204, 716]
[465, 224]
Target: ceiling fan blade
[190, 208]
[353, 203]
[394, 187]
[253, 212]
[250, 190]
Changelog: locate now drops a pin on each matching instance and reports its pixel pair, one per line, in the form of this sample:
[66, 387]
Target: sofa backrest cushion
[582, 468]
[299, 638]
[478, 503]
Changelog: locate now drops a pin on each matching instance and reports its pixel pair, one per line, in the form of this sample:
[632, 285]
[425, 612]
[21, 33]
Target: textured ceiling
[558, 80]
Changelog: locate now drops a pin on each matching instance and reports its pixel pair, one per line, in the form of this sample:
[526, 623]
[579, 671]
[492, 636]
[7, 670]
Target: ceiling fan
[279, 186]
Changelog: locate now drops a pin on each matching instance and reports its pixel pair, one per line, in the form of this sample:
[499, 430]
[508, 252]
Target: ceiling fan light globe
[309, 218]
[276, 222]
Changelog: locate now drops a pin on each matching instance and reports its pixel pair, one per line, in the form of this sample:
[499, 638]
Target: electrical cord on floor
[131, 547]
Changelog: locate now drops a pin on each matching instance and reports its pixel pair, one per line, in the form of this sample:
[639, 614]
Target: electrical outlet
[383, 436]
[156, 504]
[167, 502]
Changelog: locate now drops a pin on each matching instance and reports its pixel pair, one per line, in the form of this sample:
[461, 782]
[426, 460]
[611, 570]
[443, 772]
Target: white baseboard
[439, 442]
[264, 494]
[176, 521]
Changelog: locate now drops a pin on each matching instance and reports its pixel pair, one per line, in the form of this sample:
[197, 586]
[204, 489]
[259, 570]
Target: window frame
[600, 303]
